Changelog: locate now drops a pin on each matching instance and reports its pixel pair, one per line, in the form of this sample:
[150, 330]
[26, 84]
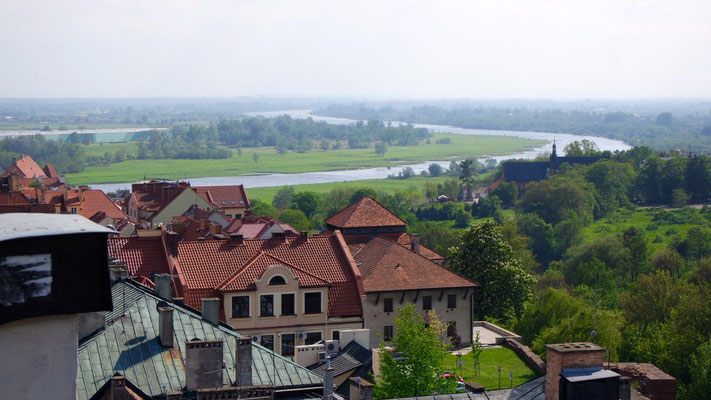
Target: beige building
[154, 202]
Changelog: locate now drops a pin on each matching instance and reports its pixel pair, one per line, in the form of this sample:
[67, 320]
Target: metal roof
[24, 225]
[587, 374]
[350, 357]
[129, 344]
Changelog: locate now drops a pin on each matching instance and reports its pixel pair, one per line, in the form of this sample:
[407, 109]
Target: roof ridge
[286, 263]
[237, 272]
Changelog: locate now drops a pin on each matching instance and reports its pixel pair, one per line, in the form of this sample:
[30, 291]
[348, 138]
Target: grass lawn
[489, 360]
[643, 219]
[380, 185]
[270, 161]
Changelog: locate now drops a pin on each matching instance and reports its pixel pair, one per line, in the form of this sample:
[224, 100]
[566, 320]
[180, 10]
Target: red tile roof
[94, 201]
[366, 212]
[154, 196]
[13, 199]
[191, 229]
[50, 172]
[205, 265]
[224, 196]
[356, 242]
[251, 227]
[25, 167]
[388, 266]
[144, 256]
[243, 278]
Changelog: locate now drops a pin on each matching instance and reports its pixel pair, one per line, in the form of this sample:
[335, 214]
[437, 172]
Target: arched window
[277, 280]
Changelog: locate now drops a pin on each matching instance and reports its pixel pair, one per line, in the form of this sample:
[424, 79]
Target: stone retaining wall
[529, 357]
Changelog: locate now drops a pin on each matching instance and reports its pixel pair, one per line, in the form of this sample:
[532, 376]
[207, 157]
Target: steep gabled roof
[224, 196]
[143, 256]
[366, 212]
[25, 167]
[129, 344]
[94, 201]
[243, 278]
[207, 264]
[388, 266]
[50, 172]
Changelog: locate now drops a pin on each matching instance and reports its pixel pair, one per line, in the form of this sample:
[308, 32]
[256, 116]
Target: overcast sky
[393, 49]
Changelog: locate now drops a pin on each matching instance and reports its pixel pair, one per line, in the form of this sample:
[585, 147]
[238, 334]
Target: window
[277, 280]
[267, 341]
[74, 210]
[313, 337]
[336, 335]
[240, 307]
[388, 304]
[388, 332]
[287, 304]
[451, 328]
[266, 305]
[451, 301]
[312, 303]
[288, 341]
[426, 302]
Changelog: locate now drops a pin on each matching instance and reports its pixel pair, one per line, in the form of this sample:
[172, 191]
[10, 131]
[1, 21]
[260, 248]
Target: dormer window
[277, 280]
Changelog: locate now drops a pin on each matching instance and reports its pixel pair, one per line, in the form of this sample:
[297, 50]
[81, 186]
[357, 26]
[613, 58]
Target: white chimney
[328, 380]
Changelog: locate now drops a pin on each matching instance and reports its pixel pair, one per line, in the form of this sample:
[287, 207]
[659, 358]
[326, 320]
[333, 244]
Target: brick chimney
[236, 239]
[215, 229]
[165, 326]
[173, 240]
[163, 283]
[243, 365]
[415, 242]
[569, 355]
[118, 388]
[203, 364]
[211, 310]
[13, 182]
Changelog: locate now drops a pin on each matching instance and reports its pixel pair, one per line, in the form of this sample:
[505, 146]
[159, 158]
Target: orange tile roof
[256, 227]
[50, 172]
[94, 201]
[156, 201]
[388, 266]
[356, 242]
[25, 167]
[244, 277]
[143, 256]
[205, 265]
[366, 212]
[224, 196]
[13, 199]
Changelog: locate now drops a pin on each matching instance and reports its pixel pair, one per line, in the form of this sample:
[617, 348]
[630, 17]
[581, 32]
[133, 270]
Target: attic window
[241, 202]
[233, 202]
[277, 280]
[224, 202]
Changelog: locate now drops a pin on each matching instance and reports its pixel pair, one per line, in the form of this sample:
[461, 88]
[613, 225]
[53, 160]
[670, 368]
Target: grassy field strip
[489, 360]
[269, 161]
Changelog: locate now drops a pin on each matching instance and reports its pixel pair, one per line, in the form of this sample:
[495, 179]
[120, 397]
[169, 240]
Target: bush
[652, 227]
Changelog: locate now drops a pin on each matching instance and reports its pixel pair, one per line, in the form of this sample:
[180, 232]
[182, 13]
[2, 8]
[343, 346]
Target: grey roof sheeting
[22, 225]
[350, 357]
[129, 344]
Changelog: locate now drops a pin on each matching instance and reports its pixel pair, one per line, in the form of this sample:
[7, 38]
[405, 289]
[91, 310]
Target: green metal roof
[129, 344]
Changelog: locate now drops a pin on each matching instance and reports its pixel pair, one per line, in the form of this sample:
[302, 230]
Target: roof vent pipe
[328, 380]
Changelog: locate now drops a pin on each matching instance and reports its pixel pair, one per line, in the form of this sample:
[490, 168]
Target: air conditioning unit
[300, 335]
[332, 346]
[255, 338]
[322, 356]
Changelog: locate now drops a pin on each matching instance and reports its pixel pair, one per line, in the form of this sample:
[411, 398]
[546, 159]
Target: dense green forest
[216, 141]
[661, 131]
[582, 255]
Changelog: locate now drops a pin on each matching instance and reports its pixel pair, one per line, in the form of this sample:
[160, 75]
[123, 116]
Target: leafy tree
[488, 206]
[665, 118]
[668, 260]
[436, 237]
[651, 299]
[363, 192]
[46, 128]
[283, 198]
[484, 257]
[558, 199]
[634, 240]
[649, 182]
[541, 234]
[679, 197]
[295, 218]
[673, 176]
[380, 148]
[698, 178]
[699, 367]
[507, 192]
[435, 169]
[325, 145]
[614, 183]
[462, 219]
[263, 209]
[416, 372]
[308, 202]
[581, 148]
[697, 243]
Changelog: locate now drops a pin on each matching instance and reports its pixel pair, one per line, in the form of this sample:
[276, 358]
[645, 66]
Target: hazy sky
[412, 49]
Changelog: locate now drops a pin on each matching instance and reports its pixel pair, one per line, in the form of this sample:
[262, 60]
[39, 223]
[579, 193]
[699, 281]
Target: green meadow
[270, 161]
[489, 361]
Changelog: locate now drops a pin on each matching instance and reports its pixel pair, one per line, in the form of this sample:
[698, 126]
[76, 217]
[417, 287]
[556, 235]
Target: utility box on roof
[52, 264]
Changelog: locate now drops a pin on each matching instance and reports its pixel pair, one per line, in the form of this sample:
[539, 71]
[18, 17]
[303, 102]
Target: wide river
[265, 180]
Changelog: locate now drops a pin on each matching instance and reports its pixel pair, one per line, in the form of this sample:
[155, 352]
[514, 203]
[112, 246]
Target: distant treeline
[662, 131]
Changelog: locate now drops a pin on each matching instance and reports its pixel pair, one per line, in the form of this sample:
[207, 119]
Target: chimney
[118, 271]
[569, 355]
[118, 388]
[215, 229]
[163, 283]
[236, 238]
[173, 240]
[13, 182]
[211, 310]
[165, 326]
[178, 227]
[415, 242]
[328, 380]
[244, 362]
[279, 236]
[203, 364]
[204, 225]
